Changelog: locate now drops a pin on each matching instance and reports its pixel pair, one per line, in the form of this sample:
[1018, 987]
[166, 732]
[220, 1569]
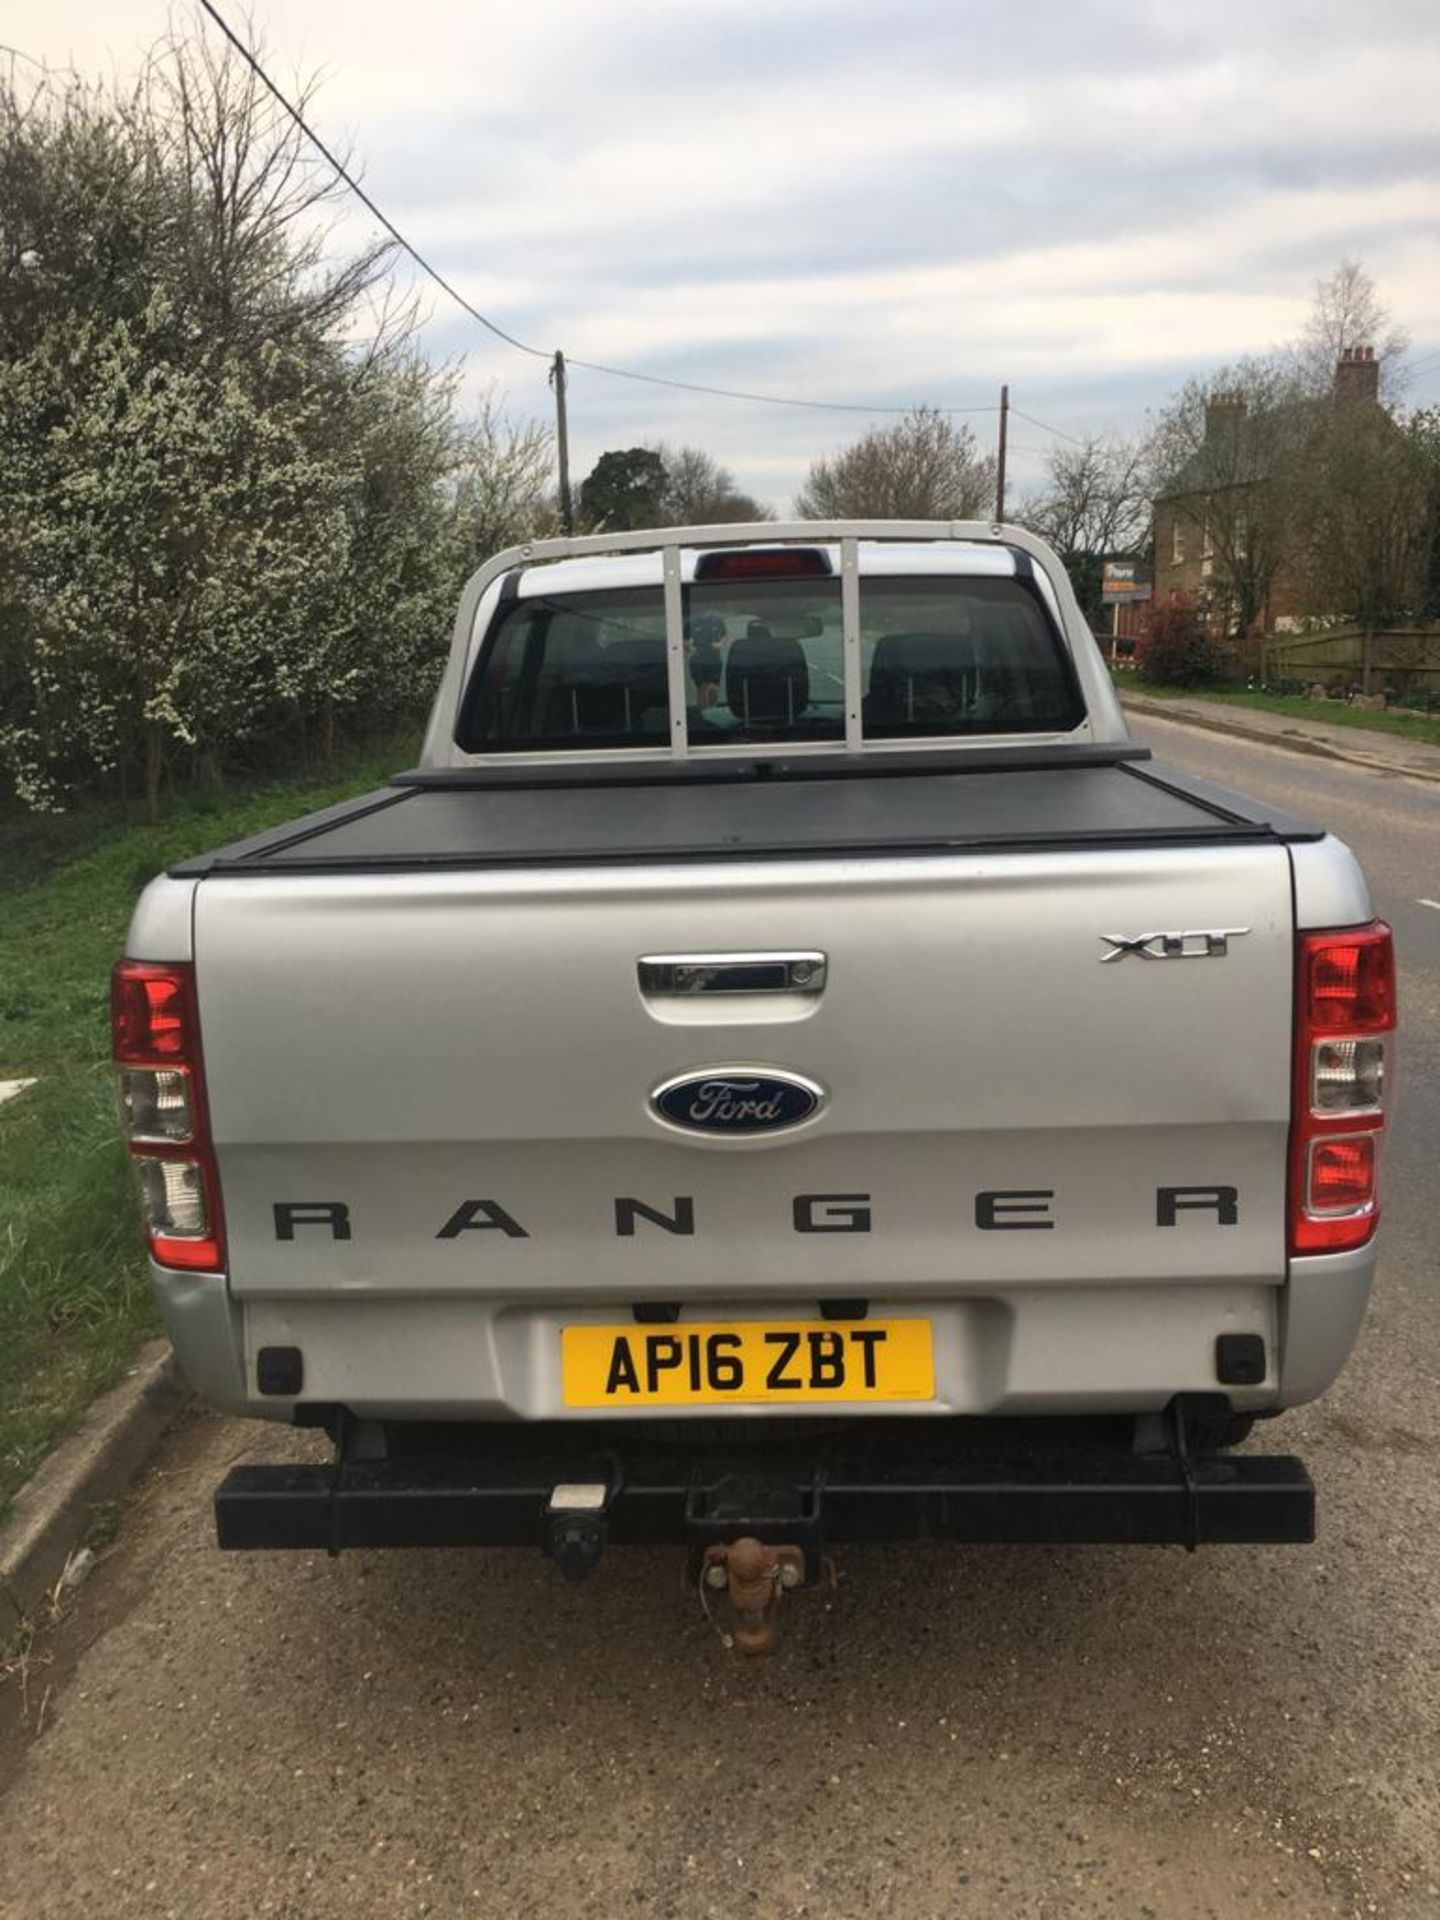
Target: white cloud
[890, 200]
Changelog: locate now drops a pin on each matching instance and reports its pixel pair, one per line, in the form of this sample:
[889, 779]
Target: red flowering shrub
[1176, 649]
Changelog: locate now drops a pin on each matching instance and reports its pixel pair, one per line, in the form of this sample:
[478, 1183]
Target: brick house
[1219, 532]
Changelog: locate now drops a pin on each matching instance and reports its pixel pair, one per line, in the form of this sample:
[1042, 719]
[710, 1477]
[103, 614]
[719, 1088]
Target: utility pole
[1000, 457]
[562, 444]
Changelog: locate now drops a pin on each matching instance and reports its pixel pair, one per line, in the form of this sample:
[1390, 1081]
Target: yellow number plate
[775, 1362]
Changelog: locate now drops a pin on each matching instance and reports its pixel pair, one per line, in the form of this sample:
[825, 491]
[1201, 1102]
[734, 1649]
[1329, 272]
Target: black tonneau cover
[755, 810]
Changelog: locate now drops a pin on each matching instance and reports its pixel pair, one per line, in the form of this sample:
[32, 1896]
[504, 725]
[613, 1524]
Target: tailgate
[441, 1080]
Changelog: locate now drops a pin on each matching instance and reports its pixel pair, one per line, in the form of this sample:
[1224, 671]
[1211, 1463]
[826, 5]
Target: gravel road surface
[992, 1733]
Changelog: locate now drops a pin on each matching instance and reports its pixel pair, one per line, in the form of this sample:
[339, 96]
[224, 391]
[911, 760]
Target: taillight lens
[163, 1112]
[1342, 1174]
[1347, 1076]
[1345, 1008]
[156, 1103]
[176, 1202]
[1348, 980]
[151, 1012]
[764, 563]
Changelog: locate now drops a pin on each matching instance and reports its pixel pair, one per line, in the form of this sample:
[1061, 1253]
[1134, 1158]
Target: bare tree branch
[925, 467]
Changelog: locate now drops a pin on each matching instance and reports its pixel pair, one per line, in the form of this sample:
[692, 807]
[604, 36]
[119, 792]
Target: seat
[924, 681]
[578, 697]
[638, 668]
[598, 689]
[767, 680]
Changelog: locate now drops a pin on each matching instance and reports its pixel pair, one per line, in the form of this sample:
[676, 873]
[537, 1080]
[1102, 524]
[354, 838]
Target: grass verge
[1330, 713]
[74, 1301]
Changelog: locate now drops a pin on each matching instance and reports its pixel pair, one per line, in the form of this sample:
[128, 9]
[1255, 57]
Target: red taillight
[1342, 1173]
[1345, 1000]
[765, 563]
[1349, 980]
[162, 1102]
[150, 1013]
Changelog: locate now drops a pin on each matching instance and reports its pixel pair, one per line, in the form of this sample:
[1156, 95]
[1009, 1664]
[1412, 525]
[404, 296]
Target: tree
[503, 479]
[1423, 429]
[224, 526]
[1225, 456]
[623, 490]
[1096, 498]
[925, 467]
[1348, 312]
[1370, 496]
[164, 553]
[699, 492]
[1096, 503]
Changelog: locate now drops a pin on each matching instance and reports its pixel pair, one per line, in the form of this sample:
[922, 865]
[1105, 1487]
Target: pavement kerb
[52, 1512]
[1293, 739]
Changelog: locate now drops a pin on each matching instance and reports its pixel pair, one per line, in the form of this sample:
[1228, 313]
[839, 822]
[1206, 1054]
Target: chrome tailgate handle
[692, 973]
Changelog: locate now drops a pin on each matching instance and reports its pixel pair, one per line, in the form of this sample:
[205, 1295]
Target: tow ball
[752, 1577]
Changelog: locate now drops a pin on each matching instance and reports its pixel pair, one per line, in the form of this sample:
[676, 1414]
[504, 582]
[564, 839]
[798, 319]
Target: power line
[354, 185]
[1059, 432]
[764, 399]
[539, 353]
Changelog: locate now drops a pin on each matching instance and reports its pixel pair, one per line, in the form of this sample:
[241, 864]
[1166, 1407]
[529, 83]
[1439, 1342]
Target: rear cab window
[942, 656]
[561, 671]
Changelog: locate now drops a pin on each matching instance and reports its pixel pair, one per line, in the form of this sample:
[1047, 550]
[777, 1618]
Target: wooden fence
[1406, 658]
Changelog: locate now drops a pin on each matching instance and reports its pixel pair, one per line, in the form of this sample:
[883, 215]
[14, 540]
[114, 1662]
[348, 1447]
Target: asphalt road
[992, 1733]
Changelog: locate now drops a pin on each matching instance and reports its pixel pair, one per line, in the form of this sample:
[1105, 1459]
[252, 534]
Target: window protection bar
[1106, 720]
[850, 640]
[675, 651]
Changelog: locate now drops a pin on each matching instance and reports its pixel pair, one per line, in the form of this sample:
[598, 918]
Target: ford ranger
[786, 1068]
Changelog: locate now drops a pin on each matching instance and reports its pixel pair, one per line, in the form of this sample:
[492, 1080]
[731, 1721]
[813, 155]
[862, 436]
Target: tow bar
[759, 1506]
[753, 1576]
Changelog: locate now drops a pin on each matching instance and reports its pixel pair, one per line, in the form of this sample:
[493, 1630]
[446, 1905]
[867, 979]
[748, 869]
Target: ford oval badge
[737, 1101]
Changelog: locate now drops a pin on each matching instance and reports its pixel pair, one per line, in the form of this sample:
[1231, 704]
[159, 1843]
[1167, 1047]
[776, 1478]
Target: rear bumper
[873, 1482]
[1031, 1350]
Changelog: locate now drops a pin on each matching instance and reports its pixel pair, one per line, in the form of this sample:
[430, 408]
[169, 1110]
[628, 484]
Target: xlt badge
[1199, 943]
[737, 1101]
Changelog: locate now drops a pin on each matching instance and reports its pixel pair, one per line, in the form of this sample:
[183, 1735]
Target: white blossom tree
[226, 529]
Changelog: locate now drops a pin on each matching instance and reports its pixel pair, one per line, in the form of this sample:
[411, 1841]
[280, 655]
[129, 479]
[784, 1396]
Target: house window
[1177, 541]
[1208, 550]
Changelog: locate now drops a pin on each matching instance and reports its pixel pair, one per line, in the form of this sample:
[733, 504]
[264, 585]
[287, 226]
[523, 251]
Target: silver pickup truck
[786, 1068]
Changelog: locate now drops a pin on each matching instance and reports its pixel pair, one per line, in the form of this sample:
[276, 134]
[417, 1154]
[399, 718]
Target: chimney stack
[1223, 411]
[1357, 376]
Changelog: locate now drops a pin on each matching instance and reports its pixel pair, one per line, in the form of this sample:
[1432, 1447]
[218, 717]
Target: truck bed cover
[816, 807]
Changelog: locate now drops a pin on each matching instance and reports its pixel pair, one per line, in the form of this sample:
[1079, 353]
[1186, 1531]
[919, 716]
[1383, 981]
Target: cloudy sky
[871, 201]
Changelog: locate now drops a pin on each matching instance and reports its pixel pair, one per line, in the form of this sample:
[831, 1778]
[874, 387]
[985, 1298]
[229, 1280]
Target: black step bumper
[973, 1482]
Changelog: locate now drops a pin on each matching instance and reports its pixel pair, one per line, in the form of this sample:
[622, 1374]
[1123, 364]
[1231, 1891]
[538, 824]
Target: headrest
[572, 651]
[918, 677]
[766, 678]
[916, 653]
